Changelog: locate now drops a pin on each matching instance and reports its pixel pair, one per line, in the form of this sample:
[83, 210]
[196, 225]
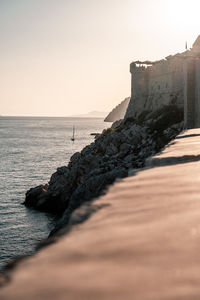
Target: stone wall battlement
[173, 80]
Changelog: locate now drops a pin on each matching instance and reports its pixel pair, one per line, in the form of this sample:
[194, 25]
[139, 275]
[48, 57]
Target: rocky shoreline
[123, 147]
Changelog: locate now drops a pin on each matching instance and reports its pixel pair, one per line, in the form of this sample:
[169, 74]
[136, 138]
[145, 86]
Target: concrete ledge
[144, 244]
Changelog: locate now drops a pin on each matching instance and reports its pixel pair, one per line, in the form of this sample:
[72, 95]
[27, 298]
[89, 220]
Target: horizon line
[38, 116]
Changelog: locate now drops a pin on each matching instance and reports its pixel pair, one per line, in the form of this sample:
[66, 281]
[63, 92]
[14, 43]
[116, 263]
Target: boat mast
[73, 134]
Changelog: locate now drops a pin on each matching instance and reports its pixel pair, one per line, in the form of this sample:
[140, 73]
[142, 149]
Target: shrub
[166, 117]
[142, 117]
[106, 131]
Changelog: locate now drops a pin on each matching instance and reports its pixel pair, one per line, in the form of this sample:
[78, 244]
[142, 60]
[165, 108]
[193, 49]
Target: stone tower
[173, 80]
[139, 90]
[192, 86]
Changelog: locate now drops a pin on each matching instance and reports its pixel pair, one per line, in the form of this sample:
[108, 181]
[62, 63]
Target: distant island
[92, 114]
[116, 114]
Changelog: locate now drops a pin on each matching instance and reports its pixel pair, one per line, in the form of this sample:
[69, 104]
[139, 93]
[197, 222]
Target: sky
[65, 57]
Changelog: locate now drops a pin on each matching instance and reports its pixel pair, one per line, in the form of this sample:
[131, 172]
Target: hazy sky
[63, 57]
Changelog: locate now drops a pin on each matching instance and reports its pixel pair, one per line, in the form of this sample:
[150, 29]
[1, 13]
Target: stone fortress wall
[173, 80]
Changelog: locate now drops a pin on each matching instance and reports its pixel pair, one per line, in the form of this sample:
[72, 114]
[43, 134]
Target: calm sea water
[30, 151]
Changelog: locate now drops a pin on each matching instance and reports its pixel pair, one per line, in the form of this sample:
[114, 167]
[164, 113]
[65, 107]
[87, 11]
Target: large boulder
[34, 195]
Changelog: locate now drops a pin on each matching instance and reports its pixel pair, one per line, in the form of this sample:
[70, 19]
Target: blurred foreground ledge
[143, 244]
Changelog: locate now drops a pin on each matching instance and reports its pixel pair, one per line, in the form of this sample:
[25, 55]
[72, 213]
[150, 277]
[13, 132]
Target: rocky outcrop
[146, 235]
[118, 112]
[118, 149]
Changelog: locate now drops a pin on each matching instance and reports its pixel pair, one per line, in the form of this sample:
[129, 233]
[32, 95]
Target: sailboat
[73, 135]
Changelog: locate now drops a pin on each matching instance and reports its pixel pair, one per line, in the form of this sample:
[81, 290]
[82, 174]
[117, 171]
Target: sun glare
[183, 15]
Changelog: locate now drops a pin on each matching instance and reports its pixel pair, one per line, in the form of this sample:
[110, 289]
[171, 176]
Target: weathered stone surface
[143, 244]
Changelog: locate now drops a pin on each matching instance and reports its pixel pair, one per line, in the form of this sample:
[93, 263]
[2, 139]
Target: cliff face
[118, 112]
[111, 156]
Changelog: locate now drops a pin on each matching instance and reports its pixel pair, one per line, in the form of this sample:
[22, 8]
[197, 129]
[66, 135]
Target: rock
[88, 158]
[34, 195]
[111, 150]
[75, 157]
[125, 146]
[58, 179]
[130, 158]
[118, 138]
[96, 172]
[86, 150]
[62, 170]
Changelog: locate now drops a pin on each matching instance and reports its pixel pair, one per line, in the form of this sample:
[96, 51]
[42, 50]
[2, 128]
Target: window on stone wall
[166, 85]
[159, 87]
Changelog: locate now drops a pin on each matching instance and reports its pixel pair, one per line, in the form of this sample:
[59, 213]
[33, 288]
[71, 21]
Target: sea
[31, 149]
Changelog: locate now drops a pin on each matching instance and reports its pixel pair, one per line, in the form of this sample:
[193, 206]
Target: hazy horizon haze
[62, 58]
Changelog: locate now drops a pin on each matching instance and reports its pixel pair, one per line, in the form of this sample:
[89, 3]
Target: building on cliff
[173, 80]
